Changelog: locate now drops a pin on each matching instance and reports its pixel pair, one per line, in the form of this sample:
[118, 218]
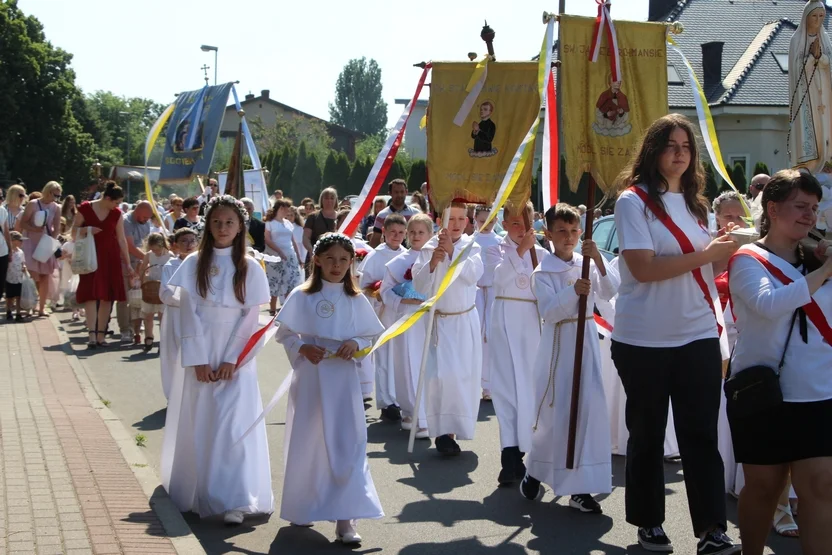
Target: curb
[179, 533]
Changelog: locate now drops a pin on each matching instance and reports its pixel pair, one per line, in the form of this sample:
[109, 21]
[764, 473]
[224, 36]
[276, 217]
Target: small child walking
[323, 324]
[557, 285]
[156, 256]
[15, 274]
[400, 298]
[184, 243]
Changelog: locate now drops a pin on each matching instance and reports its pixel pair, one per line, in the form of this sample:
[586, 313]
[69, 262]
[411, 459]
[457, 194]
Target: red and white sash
[710, 293]
[812, 309]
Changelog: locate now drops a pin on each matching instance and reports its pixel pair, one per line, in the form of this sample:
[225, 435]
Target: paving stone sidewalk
[65, 486]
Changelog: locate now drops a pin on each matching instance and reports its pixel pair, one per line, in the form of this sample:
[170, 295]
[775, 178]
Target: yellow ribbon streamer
[152, 137]
[706, 124]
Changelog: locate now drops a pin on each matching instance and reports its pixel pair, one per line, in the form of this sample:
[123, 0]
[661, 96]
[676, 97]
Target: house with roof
[270, 110]
[739, 51]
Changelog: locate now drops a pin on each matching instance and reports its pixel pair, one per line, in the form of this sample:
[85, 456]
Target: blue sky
[296, 49]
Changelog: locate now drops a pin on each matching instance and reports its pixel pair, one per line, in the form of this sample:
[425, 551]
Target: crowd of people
[680, 313]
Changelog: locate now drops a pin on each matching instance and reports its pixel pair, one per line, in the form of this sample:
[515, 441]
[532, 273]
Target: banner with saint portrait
[468, 158]
[192, 134]
[604, 120]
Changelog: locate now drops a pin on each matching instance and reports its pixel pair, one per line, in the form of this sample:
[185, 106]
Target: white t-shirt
[4, 217]
[281, 235]
[668, 313]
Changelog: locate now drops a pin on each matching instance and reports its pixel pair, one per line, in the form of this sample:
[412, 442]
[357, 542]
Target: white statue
[810, 91]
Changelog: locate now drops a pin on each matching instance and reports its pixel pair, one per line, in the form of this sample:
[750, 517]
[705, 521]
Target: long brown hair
[238, 249]
[784, 186]
[326, 242]
[644, 166]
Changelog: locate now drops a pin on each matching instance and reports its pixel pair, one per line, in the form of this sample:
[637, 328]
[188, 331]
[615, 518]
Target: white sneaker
[407, 423]
[234, 517]
[422, 433]
[346, 534]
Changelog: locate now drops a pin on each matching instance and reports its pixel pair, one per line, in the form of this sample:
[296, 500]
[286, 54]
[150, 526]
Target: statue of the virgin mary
[810, 91]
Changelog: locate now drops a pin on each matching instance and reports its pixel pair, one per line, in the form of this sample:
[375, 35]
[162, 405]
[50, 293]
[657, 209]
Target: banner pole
[579, 337]
[446, 215]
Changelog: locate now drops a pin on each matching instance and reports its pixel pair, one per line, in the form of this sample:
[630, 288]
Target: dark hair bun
[113, 191]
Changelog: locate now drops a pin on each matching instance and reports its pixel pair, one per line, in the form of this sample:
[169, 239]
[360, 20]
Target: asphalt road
[434, 506]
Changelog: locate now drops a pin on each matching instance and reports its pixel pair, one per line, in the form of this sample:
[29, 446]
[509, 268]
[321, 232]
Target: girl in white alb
[184, 243]
[401, 298]
[205, 467]
[323, 324]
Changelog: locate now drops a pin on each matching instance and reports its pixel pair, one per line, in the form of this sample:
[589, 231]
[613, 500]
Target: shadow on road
[312, 541]
[469, 546]
[155, 421]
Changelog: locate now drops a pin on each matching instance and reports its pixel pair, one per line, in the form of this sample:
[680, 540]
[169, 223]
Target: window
[782, 59]
[673, 77]
[602, 232]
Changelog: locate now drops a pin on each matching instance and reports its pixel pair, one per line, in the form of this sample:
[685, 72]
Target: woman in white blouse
[284, 275]
[665, 343]
[778, 291]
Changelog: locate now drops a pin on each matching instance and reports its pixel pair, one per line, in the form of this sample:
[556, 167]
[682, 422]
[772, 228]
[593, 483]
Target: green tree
[116, 122]
[369, 147]
[397, 171]
[418, 175]
[330, 176]
[343, 162]
[711, 190]
[358, 175]
[291, 131]
[274, 169]
[41, 139]
[738, 177]
[288, 159]
[761, 167]
[358, 101]
[306, 181]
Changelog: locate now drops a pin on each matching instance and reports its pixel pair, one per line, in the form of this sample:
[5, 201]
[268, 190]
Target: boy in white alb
[372, 271]
[454, 365]
[557, 285]
[486, 239]
[399, 296]
[514, 335]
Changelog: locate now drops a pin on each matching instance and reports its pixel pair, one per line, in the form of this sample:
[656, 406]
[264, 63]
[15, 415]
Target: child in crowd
[184, 243]
[372, 272]
[514, 336]
[485, 238]
[204, 467]
[156, 256]
[323, 324]
[15, 274]
[452, 385]
[401, 298]
[557, 285]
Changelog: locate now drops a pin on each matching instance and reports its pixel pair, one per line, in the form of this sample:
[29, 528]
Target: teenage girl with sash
[665, 343]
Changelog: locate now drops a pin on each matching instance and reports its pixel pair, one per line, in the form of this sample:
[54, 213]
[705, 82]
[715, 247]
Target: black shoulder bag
[756, 389]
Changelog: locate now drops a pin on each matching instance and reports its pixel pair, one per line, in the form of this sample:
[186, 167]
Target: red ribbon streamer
[604, 24]
[552, 124]
[684, 243]
[368, 194]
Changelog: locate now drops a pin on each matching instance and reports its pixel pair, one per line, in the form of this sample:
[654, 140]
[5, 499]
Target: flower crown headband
[334, 238]
[228, 200]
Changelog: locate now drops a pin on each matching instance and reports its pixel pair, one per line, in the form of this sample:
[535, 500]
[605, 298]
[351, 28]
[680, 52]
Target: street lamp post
[207, 48]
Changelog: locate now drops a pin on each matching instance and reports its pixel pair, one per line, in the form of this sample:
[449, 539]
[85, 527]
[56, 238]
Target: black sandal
[148, 344]
[92, 344]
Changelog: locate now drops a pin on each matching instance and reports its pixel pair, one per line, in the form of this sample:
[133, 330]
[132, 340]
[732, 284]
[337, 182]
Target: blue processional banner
[192, 134]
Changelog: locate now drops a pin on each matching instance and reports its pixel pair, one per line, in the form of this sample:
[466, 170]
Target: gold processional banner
[471, 160]
[603, 121]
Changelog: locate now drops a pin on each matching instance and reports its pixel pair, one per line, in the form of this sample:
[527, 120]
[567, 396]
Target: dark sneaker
[585, 503]
[654, 539]
[392, 413]
[447, 446]
[717, 543]
[508, 461]
[531, 489]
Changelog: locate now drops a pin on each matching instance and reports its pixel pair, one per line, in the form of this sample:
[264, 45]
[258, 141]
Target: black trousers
[690, 377]
[4, 266]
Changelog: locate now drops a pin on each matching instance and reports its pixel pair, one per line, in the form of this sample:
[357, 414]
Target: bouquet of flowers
[406, 290]
[372, 291]
[360, 254]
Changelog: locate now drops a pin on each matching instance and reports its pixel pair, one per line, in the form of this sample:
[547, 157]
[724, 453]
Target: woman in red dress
[104, 286]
